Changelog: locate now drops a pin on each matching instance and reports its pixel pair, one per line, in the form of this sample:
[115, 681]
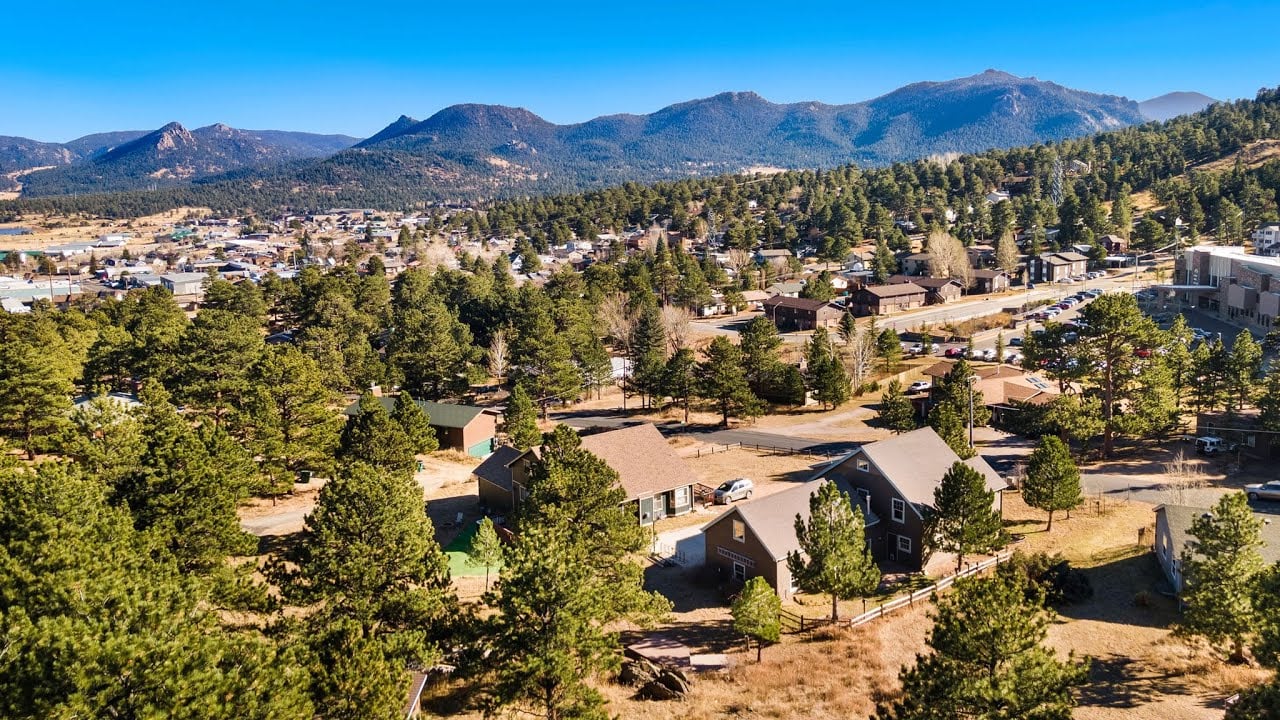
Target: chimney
[375, 390]
[868, 512]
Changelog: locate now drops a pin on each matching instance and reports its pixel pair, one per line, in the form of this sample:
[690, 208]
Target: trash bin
[304, 476]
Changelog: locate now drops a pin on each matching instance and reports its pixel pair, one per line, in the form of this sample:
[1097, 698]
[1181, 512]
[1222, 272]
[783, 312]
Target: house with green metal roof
[465, 428]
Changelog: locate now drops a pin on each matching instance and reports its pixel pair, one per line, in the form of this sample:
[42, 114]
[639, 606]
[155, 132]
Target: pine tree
[291, 422]
[430, 349]
[36, 393]
[551, 629]
[219, 351]
[760, 344]
[947, 423]
[722, 379]
[373, 438]
[486, 549]
[756, 614]
[883, 264]
[896, 411]
[1243, 364]
[522, 420]
[1053, 481]
[834, 558]
[889, 347]
[415, 423]
[1219, 571]
[827, 377]
[988, 659]
[679, 380]
[648, 353]
[964, 520]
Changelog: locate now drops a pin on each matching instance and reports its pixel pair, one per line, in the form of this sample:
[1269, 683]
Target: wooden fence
[714, 449]
[794, 622]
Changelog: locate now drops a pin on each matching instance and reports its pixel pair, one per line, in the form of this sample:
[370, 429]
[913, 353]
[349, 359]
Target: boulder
[655, 690]
[637, 673]
[675, 681]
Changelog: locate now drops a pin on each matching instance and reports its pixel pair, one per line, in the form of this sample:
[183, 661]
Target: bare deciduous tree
[948, 258]
[740, 260]
[1007, 256]
[617, 319]
[498, 355]
[860, 354]
[676, 324]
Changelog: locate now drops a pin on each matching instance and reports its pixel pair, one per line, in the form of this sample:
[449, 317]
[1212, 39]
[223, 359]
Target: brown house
[990, 281]
[937, 290]
[464, 428]
[885, 299]
[892, 480]
[794, 313]
[658, 483]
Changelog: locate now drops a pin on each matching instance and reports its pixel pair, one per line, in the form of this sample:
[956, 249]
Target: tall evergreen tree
[1053, 481]
[648, 353]
[826, 373]
[834, 558]
[722, 380]
[896, 411]
[988, 660]
[373, 438]
[964, 520]
[415, 422]
[1220, 568]
[522, 420]
[947, 423]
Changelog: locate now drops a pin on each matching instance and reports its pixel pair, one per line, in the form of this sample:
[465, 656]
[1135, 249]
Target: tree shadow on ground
[1117, 681]
[279, 545]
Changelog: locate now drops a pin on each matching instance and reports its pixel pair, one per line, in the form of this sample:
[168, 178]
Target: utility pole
[969, 383]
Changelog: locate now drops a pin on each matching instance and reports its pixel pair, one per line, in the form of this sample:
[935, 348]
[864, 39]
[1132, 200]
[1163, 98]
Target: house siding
[719, 536]
[883, 537]
[1167, 554]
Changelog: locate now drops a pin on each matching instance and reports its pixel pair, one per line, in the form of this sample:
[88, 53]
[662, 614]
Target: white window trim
[681, 496]
[736, 576]
[898, 510]
[863, 465]
[742, 538]
[904, 544]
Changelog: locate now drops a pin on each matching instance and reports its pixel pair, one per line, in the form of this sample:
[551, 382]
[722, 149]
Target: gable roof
[1180, 518]
[915, 462]
[897, 290]
[931, 283]
[796, 302]
[496, 468]
[646, 464]
[772, 519]
[447, 415]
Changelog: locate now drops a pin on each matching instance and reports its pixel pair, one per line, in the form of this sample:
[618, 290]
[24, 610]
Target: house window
[739, 572]
[904, 545]
[899, 510]
[682, 496]
[863, 465]
[739, 531]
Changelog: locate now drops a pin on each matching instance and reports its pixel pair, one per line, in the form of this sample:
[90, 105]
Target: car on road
[1015, 341]
[736, 489]
[1269, 490]
[919, 386]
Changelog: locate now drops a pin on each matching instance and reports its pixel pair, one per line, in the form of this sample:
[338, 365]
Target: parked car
[731, 490]
[1269, 490]
[1015, 341]
[917, 349]
[989, 355]
[1013, 358]
[1210, 445]
[954, 352]
[1031, 286]
[919, 386]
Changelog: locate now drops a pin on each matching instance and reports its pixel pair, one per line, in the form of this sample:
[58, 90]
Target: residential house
[754, 537]
[916, 264]
[755, 298]
[891, 480]
[1173, 536]
[657, 482]
[1005, 389]
[765, 256]
[187, 283]
[785, 289]
[464, 428]
[981, 256]
[1266, 239]
[1053, 267]
[1114, 244]
[801, 313]
[990, 281]
[885, 299]
[997, 196]
[938, 290]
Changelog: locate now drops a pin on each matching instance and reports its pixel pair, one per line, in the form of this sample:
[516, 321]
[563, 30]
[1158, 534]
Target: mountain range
[475, 151]
[131, 160]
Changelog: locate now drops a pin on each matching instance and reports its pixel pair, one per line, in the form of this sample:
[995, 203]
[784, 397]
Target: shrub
[1051, 576]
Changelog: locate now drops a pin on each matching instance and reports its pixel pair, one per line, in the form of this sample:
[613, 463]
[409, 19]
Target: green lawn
[457, 552]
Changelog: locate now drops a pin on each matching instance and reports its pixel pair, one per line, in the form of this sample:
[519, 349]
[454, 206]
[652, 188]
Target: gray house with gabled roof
[891, 480]
[465, 428]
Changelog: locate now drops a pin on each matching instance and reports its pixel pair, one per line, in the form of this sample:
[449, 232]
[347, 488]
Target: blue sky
[71, 68]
